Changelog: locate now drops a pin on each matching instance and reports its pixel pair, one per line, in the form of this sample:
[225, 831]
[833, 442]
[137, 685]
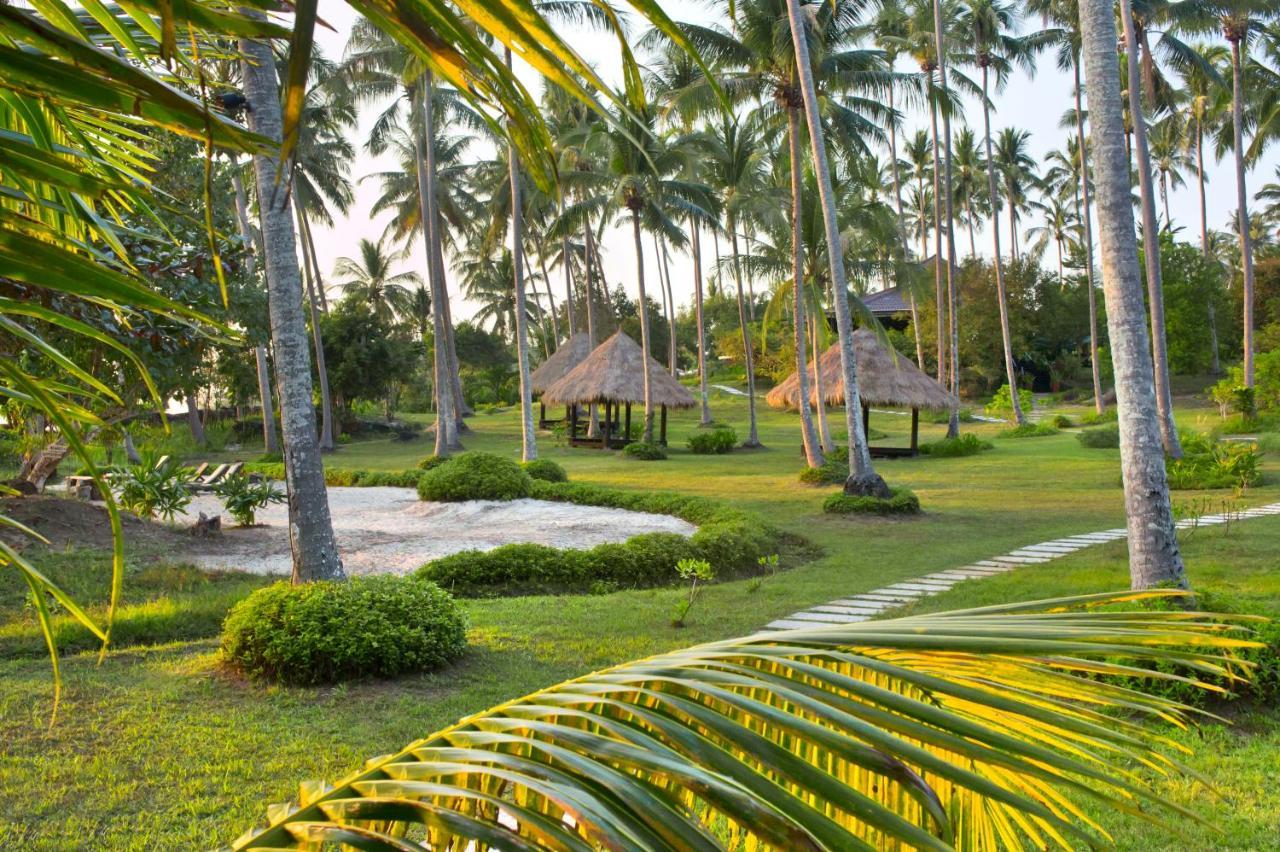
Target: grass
[159, 747]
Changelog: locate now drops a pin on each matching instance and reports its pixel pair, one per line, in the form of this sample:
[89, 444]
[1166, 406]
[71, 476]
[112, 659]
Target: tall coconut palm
[372, 279]
[1203, 107]
[1154, 557]
[969, 183]
[312, 544]
[1058, 224]
[1169, 158]
[1017, 170]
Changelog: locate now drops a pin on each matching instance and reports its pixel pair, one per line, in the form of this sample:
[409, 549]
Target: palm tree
[372, 279]
[1169, 157]
[486, 281]
[1205, 102]
[970, 186]
[1017, 170]
[1059, 222]
[863, 478]
[1154, 558]
[314, 550]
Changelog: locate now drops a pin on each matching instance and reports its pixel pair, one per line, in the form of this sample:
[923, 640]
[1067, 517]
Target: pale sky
[1033, 104]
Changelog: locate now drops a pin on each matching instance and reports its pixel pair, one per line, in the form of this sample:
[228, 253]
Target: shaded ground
[77, 524]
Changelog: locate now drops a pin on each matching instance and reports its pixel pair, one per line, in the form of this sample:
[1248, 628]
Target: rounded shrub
[1030, 430]
[545, 470]
[967, 444]
[903, 502]
[1101, 438]
[475, 476]
[642, 451]
[326, 632]
[1062, 421]
[432, 462]
[715, 441]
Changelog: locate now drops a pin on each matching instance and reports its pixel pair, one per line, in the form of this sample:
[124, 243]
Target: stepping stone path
[878, 602]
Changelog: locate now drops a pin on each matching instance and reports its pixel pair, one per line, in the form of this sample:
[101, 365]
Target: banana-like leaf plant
[984, 728]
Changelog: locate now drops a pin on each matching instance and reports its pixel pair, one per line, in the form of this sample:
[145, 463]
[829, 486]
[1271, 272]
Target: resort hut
[611, 376]
[884, 378]
[570, 354]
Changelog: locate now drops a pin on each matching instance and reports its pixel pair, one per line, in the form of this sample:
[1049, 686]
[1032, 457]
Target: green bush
[344, 477]
[1062, 421]
[546, 470]
[1102, 438]
[967, 444]
[730, 540]
[831, 473]
[903, 502]
[475, 476]
[1093, 418]
[432, 462]
[325, 632]
[1001, 404]
[1029, 430]
[715, 441]
[242, 497]
[1210, 464]
[642, 451]
[149, 490]
[944, 416]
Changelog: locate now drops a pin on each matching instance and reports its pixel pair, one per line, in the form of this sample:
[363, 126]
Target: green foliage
[432, 462]
[545, 470]
[346, 477]
[830, 473]
[364, 356]
[242, 496]
[475, 476]
[149, 490]
[1102, 438]
[1093, 418]
[929, 416]
[641, 451]
[691, 570]
[731, 540]
[717, 441]
[1234, 398]
[1210, 464]
[325, 632]
[903, 502]
[1062, 421]
[1191, 283]
[967, 444]
[1030, 430]
[1001, 404]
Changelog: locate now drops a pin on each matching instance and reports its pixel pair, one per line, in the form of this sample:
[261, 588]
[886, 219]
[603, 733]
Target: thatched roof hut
[884, 378]
[613, 374]
[570, 354]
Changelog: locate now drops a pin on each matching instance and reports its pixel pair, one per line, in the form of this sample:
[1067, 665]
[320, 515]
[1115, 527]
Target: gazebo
[568, 355]
[611, 376]
[884, 378]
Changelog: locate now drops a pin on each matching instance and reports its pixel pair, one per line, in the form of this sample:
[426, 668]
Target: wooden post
[572, 414]
[915, 431]
[608, 424]
[663, 440]
[866, 421]
[542, 413]
[628, 422]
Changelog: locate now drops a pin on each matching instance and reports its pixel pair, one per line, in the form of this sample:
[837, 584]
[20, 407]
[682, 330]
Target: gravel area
[389, 530]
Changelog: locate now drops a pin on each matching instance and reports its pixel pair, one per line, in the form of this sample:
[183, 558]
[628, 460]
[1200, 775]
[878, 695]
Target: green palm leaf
[983, 728]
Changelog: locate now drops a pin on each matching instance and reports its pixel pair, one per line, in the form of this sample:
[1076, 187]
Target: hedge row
[346, 477]
[731, 540]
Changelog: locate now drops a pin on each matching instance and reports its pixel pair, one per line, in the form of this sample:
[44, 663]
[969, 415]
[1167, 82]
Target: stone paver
[867, 605]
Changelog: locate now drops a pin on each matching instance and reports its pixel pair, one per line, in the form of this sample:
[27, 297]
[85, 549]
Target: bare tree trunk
[647, 435]
[570, 314]
[1242, 203]
[953, 302]
[753, 432]
[311, 540]
[863, 478]
[812, 450]
[1150, 242]
[270, 440]
[460, 407]
[939, 292]
[311, 277]
[1154, 558]
[588, 243]
[1204, 208]
[529, 441]
[819, 392]
[695, 242]
[670, 299]
[1086, 217]
[194, 423]
[902, 228]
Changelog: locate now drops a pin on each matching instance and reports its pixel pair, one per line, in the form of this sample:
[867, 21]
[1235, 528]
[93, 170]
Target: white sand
[389, 530]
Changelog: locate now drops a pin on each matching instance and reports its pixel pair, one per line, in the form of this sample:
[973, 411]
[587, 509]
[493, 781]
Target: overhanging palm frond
[982, 728]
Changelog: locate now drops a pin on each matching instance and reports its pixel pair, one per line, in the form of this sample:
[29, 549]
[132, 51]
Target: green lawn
[159, 747]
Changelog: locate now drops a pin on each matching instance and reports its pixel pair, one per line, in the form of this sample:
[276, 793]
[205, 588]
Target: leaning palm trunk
[311, 279]
[529, 441]
[270, 440]
[570, 313]
[647, 436]
[863, 478]
[939, 291]
[1002, 297]
[1086, 217]
[753, 433]
[460, 406]
[819, 392]
[902, 227]
[588, 290]
[424, 154]
[671, 305]
[978, 729]
[1242, 198]
[1154, 558]
[1150, 242]
[953, 304]
[695, 243]
[812, 449]
[314, 550]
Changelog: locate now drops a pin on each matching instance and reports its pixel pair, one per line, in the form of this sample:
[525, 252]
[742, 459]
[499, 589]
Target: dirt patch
[78, 523]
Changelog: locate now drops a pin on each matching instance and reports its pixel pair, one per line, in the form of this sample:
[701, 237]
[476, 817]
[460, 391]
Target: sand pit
[389, 530]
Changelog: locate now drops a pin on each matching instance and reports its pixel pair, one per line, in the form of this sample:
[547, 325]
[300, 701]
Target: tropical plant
[968, 729]
[372, 280]
[691, 571]
[243, 496]
[151, 490]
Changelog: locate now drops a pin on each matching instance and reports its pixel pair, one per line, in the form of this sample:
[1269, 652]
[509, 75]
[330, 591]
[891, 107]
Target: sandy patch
[389, 530]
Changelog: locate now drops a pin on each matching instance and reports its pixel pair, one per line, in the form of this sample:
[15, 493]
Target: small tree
[691, 570]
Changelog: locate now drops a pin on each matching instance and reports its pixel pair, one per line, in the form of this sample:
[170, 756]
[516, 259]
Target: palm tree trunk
[1204, 208]
[1164, 198]
[194, 422]
[529, 440]
[972, 220]
[939, 292]
[812, 449]
[1242, 204]
[311, 276]
[570, 314]
[424, 154]
[1150, 242]
[863, 478]
[953, 303]
[695, 242]
[1086, 216]
[588, 291]
[460, 407]
[1013, 228]
[668, 307]
[819, 392]
[311, 540]
[647, 435]
[902, 227]
[270, 440]
[551, 306]
[744, 324]
[671, 303]
[1154, 558]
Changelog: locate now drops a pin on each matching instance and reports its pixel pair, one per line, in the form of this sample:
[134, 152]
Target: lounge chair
[209, 480]
[195, 475]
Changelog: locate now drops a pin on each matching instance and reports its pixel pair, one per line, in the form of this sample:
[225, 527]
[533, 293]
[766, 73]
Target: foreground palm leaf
[976, 729]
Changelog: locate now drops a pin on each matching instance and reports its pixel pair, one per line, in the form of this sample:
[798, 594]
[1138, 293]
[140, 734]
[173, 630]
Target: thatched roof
[612, 373]
[570, 354]
[884, 378]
